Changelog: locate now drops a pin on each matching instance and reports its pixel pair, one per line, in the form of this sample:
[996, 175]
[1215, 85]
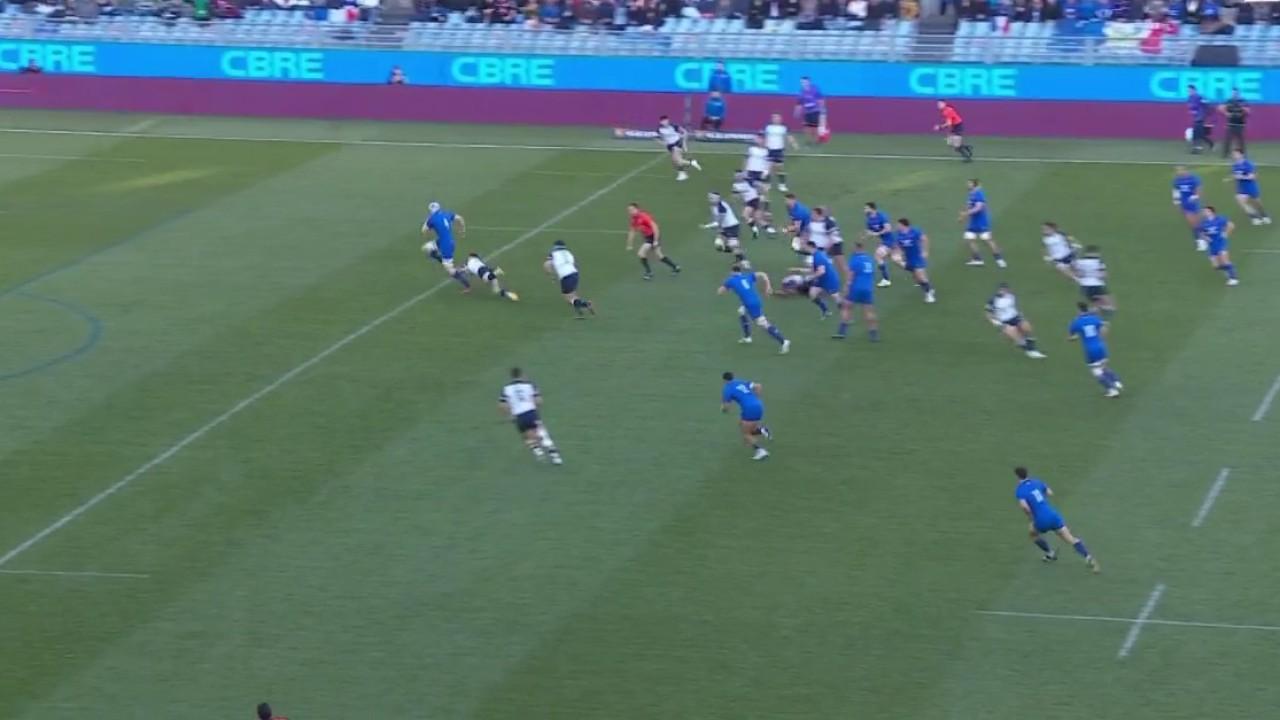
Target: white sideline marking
[1262, 250]
[1143, 617]
[76, 158]
[639, 148]
[1265, 406]
[73, 573]
[1209, 499]
[1104, 618]
[274, 385]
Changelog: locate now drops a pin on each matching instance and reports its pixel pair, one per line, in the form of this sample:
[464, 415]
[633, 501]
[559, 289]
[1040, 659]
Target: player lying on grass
[478, 267]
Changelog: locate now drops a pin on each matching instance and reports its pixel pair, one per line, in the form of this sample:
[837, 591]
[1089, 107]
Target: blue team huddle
[828, 277]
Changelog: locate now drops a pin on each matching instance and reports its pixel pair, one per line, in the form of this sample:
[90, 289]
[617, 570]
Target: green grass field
[250, 448]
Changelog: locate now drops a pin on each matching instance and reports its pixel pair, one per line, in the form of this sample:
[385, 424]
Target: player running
[643, 223]
[520, 399]
[880, 230]
[811, 108]
[953, 124]
[914, 245]
[1091, 331]
[1091, 274]
[860, 291]
[756, 165]
[728, 229]
[1002, 311]
[1248, 193]
[1215, 230]
[1059, 249]
[825, 232]
[1186, 197]
[742, 282]
[675, 138]
[776, 139]
[754, 208]
[561, 263]
[825, 279]
[977, 218]
[440, 222]
[478, 267]
[1033, 497]
[750, 411]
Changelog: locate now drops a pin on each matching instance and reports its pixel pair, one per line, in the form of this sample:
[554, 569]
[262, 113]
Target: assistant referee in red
[954, 126]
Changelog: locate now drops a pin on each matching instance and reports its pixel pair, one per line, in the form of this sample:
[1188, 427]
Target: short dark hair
[634, 204]
[516, 372]
[264, 711]
[1082, 306]
[1021, 472]
[872, 206]
[903, 221]
[663, 117]
[727, 376]
[1211, 209]
[857, 245]
[790, 196]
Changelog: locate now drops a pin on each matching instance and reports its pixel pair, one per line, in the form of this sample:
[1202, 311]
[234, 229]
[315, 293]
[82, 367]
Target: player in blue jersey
[1186, 198]
[1215, 231]
[742, 282]
[800, 217]
[441, 222]
[880, 229]
[860, 291]
[1033, 498]
[914, 245]
[825, 281]
[750, 411]
[1248, 194]
[1091, 331]
[976, 216]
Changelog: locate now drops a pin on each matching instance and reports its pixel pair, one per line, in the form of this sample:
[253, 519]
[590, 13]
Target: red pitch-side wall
[1163, 121]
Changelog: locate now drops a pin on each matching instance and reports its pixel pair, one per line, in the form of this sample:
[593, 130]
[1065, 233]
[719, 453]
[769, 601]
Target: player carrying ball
[643, 223]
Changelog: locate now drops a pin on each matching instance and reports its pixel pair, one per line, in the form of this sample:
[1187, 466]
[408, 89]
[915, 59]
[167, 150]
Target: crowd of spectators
[652, 14]
[1218, 15]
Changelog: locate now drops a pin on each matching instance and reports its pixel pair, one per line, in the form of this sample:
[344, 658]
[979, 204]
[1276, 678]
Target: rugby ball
[719, 243]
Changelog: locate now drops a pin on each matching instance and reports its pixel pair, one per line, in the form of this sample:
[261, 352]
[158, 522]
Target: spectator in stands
[756, 13]
[808, 18]
[909, 9]
[397, 77]
[584, 12]
[549, 13]
[857, 10]
[604, 13]
[499, 11]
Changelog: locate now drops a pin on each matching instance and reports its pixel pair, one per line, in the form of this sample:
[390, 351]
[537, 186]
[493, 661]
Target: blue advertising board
[647, 74]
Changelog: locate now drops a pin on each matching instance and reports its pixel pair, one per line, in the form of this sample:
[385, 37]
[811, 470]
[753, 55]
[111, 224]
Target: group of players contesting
[828, 277]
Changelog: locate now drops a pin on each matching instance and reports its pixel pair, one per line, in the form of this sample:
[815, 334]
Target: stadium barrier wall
[1037, 118]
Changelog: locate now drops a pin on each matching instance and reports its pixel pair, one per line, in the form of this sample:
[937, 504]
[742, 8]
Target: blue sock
[977, 256]
[1081, 549]
[776, 334]
[1110, 377]
[926, 287]
[884, 270]
[1230, 270]
[874, 334]
[462, 278]
[746, 325]
[1040, 543]
[822, 305]
[843, 329]
[1104, 380]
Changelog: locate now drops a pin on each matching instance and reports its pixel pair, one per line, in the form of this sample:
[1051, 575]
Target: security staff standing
[1237, 113]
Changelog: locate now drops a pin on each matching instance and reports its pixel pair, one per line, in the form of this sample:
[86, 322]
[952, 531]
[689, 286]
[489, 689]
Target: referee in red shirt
[954, 125]
[643, 223]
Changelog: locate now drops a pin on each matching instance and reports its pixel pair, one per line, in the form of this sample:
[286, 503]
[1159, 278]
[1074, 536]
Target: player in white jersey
[520, 400]
[754, 208]
[561, 263]
[477, 266]
[1091, 274]
[1002, 311]
[675, 139]
[728, 229]
[825, 232]
[776, 139]
[756, 166]
[1059, 249]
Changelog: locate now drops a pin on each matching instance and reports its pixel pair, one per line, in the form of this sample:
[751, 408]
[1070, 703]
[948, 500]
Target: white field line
[76, 574]
[1143, 617]
[284, 379]
[1107, 619]
[1268, 251]
[1211, 497]
[731, 148]
[548, 231]
[73, 158]
[1264, 407]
